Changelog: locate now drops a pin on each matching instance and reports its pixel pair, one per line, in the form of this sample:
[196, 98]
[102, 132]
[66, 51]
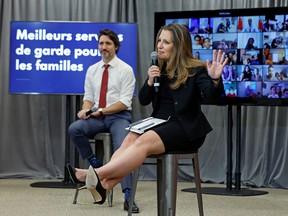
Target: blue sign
[52, 57]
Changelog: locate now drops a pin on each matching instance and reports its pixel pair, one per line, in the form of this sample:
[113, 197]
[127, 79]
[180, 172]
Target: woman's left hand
[216, 68]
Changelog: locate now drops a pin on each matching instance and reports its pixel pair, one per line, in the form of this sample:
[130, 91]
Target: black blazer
[187, 101]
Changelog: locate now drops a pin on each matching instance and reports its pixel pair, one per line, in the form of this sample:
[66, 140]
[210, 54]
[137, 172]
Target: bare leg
[130, 139]
[131, 156]
[128, 157]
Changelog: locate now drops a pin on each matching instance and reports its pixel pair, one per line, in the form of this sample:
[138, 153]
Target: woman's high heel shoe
[93, 184]
[72, 171]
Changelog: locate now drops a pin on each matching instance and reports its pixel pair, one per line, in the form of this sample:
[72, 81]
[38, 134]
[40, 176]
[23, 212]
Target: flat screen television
[53, 57]
[254, 40]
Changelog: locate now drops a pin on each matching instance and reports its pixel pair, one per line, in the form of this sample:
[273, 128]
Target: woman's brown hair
[177, 68]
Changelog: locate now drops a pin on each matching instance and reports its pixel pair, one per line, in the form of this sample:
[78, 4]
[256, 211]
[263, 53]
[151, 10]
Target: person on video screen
[247, 74]
[249, 92]
[269, 60]
[207, 43]
[231, 73]
[273, 93]
[250, 27]
[256, 76]
[250, 44]
[278, 42]
[285, 93]
[222, 44]
[197, 42]
[221, 28]
[266, 51]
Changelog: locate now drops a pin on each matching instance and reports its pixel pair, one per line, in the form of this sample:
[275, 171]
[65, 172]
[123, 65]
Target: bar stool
[105, 139]
[167, 174]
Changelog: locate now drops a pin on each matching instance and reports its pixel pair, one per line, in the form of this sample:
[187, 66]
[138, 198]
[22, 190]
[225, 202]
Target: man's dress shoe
[135, 208]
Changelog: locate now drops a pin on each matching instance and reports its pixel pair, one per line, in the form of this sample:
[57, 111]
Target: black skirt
[175, 139]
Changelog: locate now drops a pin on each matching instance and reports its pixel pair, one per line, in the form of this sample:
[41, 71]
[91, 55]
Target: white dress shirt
[121, 83]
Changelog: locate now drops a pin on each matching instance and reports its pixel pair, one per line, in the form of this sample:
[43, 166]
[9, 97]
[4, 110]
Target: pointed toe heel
[93, 184]
[72, 171]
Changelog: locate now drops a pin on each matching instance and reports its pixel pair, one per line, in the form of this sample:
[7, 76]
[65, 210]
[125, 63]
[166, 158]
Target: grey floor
[17, 198]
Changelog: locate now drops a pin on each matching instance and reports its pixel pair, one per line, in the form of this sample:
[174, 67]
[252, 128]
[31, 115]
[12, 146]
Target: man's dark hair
[113, 36]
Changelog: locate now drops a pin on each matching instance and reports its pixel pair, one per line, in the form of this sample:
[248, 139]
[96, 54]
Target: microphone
[93, 109]
[154, 58]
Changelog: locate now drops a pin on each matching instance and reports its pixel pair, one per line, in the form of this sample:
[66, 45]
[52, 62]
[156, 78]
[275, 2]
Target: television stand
[66, 183]
[229, 190]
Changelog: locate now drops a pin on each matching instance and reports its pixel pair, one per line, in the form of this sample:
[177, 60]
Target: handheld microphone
[93, 109]
[154, 58]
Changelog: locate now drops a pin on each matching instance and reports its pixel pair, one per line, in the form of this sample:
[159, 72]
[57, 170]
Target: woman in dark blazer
[187, 124]
[184, 81]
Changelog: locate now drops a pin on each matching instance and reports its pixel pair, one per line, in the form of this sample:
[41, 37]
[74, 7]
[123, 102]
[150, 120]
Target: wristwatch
[100, 111]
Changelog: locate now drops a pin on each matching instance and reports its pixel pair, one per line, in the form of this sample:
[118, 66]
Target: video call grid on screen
[254, 40]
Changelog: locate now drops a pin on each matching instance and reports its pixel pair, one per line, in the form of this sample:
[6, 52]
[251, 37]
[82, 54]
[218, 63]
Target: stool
[105, 138]
[167, 174]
